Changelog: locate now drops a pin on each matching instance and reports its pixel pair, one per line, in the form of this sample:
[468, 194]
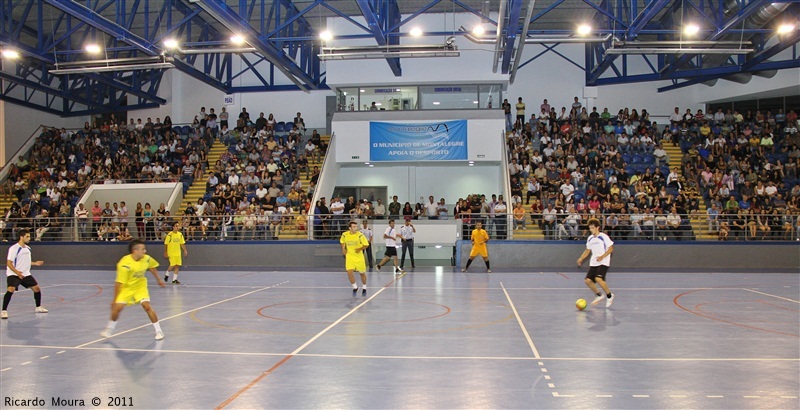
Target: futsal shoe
[363, 292]
[4, 314]
[355, 291]
[488, 271]
[159, 335]
[40, 309]
[609, 301]
[106, 333]
[378, 267]
[597, 300]
[166, 278]
[175, 282]
[463, 270]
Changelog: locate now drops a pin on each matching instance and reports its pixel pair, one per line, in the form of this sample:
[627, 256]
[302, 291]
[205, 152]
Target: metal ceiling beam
[735, 22]
[514, 10]
[784, 43]
[764, 66]
[637, 25]
[99, 22]
[377, 25]
[226, 16]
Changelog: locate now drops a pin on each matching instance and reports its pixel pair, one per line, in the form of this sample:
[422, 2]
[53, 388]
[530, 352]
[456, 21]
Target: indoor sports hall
[400, 204]
[431, 338]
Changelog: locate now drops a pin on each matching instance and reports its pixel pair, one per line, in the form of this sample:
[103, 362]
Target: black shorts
[390, 251]
[597, 272]
[14, 281]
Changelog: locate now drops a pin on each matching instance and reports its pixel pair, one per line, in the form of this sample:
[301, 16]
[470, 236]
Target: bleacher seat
[649, 159]
[186, 130]
[637, 159]
[279, 127]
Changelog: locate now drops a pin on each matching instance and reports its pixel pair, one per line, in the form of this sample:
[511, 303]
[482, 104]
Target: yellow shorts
[132, 296]
[175, 260]
[479, 250]
[355, 263]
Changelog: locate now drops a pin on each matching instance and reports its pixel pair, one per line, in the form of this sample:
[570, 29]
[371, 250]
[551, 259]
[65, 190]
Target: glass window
[348, 99]
[440, 97]
[388, 98]
[489, 96]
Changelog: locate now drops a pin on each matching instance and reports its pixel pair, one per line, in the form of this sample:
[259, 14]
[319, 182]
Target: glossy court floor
[432, 338]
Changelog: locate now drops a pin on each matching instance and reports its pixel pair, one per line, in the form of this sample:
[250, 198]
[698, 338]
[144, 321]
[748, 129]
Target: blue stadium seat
[637, 159]
[649, 159]
[279, 127]
[627, 158]
[186, 130]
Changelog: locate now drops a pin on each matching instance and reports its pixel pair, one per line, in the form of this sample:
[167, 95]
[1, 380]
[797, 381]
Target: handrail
[24, 149]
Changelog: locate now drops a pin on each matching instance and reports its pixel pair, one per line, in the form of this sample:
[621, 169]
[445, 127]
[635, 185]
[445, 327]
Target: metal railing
[251, 224]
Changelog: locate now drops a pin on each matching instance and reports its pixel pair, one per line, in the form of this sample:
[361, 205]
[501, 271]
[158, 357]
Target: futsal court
[431, 338]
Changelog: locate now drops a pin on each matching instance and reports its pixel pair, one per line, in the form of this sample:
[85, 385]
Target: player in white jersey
[600, 247]
[390, 235]
[18, 272]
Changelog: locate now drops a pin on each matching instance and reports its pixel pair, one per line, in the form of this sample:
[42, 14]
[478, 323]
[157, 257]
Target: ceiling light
[436, 103]
[13, 54]
[378, 104]
[478, 30]
[474, 102]
[691, 29]
[584, 29]
[237, 39]
[786, 28]
[416, 32]
[326, 35]
[171, 43]
[93, 48]
[362, 90]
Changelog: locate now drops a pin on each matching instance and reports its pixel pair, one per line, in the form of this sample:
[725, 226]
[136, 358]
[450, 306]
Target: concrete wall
[513, 254]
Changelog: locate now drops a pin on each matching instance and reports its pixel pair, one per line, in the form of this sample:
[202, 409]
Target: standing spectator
[506, 106]
[97, 214]
[520, 111]
[82, 215]
[394, 208]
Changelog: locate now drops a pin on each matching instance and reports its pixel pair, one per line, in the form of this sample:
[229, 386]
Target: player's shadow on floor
[600, 319]
[139, 363]
[26, 331]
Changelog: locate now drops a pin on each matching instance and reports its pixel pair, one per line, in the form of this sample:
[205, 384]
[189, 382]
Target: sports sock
[37, 297]
[469, 262]
[157, 326]
[354, 286]
[364, 287]
[487, 264]
[6, 299]
[111, 325]
[174, 276]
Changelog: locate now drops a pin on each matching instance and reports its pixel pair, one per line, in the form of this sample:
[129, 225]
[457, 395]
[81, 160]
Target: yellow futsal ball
[580, 304]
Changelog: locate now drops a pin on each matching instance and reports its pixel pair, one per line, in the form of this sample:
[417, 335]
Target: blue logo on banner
[438, 141]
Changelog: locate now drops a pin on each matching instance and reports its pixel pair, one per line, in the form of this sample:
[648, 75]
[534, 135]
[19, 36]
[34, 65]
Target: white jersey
[367, 234]
[20, 256]
[390, 242]
[598, 244]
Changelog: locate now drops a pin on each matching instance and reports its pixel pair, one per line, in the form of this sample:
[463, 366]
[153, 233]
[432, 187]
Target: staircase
[198, 188]
[699, 223]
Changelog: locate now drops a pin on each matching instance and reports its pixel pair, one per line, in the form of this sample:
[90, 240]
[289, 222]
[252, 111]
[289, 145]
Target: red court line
[260, 377]
[675, 301]
[99, 291]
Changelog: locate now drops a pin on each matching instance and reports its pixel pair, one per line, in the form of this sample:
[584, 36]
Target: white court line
[774, 296]
[182, 313]
[521, 325]
[348, 356]
[345, 316]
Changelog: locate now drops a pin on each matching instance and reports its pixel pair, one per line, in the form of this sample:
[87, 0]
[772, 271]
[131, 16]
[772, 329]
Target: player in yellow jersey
[479, 239]
[353, 245]
[174, 243]
[131, 286]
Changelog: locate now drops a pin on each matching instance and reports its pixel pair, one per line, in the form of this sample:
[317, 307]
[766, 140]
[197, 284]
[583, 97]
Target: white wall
[409, 182]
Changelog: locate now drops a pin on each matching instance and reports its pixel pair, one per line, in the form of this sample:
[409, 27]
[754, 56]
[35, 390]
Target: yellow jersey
[174, 240]
[131, 273]
[479, 237]
[353, 241]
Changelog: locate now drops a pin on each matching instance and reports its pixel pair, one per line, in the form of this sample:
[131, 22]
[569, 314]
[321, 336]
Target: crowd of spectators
[258, 174]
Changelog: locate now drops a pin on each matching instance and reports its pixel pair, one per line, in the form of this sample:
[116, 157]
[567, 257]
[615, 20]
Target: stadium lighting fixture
[93, 48]
[584, 30]
[691, 29]
[12, 54]
[326, 35]
[416, 32]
